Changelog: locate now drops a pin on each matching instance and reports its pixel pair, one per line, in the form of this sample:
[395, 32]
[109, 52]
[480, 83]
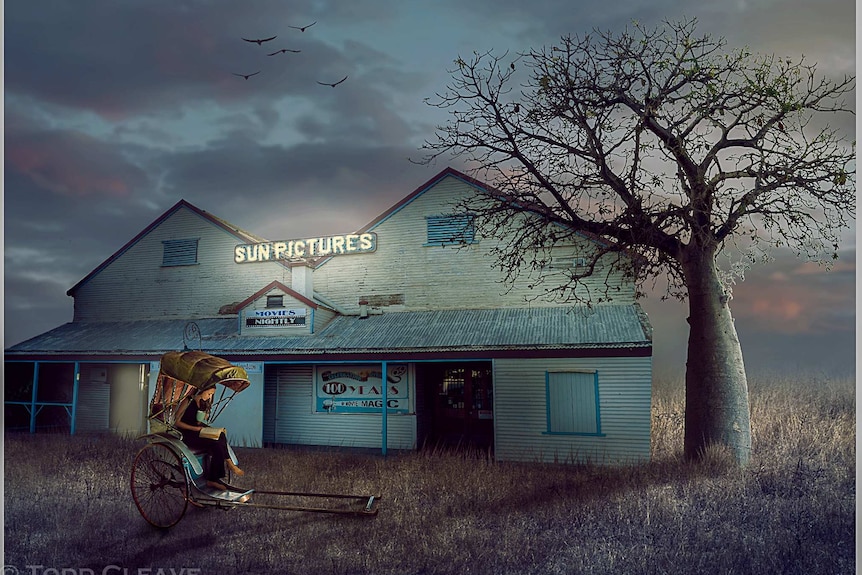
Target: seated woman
[195, 412]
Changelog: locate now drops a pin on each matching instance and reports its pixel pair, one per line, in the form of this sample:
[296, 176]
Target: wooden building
[332, 329]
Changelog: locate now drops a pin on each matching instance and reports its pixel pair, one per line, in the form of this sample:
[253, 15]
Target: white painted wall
[292, 420]
[432, 277]
[128, 398]
[520, 411]
[136, 286]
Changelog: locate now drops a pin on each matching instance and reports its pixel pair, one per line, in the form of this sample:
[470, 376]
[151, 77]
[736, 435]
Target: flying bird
[302, 28]
[283, 50]
[260, 41]
[246, 76]
[333, 85]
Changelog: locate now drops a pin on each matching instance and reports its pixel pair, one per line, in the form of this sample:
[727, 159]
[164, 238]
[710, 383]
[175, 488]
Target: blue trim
[598, 407]
[33, 397]
[311, 327]
[384, 409]
[547, 402]
[74, 414]
[549, 431]
[572, 433]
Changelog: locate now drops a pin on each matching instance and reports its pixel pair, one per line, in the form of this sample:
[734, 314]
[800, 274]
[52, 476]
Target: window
[569, 262]
[573, 403]
[275, 301]
[449, 230]
[180, 252]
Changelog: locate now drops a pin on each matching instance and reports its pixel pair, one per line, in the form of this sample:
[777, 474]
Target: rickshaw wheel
[159, 485]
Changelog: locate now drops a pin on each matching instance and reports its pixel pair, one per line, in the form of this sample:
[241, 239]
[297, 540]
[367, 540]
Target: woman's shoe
[217, 485]
[234, 469]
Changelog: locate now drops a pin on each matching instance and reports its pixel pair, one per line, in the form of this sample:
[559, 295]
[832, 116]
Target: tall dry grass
[792, 510]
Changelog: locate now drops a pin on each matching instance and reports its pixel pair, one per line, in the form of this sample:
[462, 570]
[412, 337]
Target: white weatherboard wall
[136, 286]
[520, 411]
[423, 276]
[290, 417]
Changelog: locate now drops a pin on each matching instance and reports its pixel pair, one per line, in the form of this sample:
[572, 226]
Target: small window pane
[275, 301]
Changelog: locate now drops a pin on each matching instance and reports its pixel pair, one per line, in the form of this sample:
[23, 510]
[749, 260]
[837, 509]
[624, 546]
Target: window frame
[437, 226]
[275, 298]
[172, 260]
[550, 427]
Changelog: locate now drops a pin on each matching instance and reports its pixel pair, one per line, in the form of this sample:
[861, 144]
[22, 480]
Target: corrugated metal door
[94, 406]
[284, 385]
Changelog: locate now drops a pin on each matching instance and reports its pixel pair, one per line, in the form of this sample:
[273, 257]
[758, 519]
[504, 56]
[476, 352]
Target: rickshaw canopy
[202, 370]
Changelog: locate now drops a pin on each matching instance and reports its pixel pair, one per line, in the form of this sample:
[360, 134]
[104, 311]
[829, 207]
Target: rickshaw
[167, 475]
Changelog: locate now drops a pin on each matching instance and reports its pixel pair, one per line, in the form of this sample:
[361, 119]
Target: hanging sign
[308, 248]
[359, 389]
[275, 317]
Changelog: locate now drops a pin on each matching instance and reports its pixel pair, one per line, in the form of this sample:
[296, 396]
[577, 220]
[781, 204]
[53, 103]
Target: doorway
[459, 403]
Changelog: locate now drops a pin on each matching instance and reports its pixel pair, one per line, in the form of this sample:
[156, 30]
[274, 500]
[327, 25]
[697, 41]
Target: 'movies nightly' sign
[308, 248]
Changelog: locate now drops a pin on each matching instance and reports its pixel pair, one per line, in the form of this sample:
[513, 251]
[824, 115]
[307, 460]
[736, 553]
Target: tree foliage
[658, 140]
[665, 148]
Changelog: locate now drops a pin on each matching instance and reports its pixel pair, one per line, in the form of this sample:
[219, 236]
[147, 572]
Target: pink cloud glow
[72, 164]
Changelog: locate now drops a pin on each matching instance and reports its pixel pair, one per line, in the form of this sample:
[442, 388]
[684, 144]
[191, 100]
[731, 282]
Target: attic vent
[275, 301]
[449, 230]
[180, 252]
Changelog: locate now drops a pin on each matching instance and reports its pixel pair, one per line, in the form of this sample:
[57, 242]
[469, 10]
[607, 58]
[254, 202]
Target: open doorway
[458, 404]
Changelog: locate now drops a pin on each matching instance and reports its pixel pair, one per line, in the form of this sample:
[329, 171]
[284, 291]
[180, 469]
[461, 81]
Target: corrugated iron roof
[419, 331]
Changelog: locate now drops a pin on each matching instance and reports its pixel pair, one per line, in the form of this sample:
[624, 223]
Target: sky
[115, 110]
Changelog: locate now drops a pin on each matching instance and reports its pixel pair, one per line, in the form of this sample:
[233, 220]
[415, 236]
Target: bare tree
[666, 148]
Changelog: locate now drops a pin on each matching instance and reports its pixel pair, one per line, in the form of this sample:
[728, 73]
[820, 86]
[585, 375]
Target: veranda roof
[483, 331]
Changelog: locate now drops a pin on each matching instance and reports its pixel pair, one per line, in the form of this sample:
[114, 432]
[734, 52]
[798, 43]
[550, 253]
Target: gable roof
[218, 222]
[469, 180]
[421, 190]
[269, 287]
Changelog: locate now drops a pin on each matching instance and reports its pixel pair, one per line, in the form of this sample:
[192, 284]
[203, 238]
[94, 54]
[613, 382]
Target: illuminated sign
[275, 317]
[359, 389]
[309, 248]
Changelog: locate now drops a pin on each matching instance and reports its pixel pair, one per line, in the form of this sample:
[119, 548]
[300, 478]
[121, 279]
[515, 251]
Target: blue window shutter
[449, 230]
[180, 252]
[573, 403]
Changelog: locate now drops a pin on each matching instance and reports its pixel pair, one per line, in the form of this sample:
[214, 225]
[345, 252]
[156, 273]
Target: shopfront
[398, 336]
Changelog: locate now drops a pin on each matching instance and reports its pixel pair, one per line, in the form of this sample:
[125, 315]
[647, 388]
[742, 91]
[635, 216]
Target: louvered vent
[449, 230]
[180, 252]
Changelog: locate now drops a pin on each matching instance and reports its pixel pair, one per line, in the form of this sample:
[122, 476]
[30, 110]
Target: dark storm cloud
[123, 58]
[235, 168]
[115, 110]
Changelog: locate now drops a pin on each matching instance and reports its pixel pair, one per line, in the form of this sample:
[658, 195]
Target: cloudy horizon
[114, 111]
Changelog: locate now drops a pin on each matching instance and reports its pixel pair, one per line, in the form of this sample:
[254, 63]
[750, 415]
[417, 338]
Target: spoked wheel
[159, 485]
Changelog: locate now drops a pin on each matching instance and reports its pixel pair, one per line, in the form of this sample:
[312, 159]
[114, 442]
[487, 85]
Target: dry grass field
[68, 506]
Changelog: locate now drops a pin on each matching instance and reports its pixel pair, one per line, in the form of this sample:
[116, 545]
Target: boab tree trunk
[717, 409]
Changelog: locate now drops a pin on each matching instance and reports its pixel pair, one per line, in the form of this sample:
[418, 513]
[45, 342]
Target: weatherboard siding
[290, 417]
[520, 411]
[405, 274]
[136, 285]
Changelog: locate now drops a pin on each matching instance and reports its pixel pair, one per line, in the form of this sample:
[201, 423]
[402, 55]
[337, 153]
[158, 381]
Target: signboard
[250, 367]
[308, 248]
[358, 389]
[281, 317]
